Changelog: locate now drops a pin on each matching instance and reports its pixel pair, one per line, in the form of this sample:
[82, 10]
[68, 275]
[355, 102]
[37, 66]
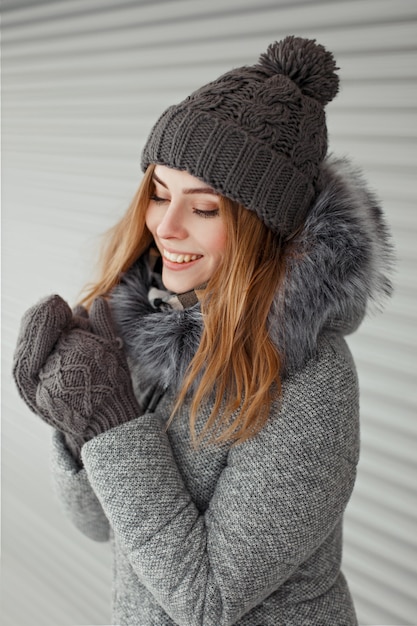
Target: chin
[180, 286]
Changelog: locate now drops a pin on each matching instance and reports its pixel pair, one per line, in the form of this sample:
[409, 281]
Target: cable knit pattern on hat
[256, 134]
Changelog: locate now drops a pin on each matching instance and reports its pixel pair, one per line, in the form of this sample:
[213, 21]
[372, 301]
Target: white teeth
[180, 258]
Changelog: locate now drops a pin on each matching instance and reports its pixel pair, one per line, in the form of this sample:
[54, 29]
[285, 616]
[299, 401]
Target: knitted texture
[244, 535]
[257, 134]
[73, 373]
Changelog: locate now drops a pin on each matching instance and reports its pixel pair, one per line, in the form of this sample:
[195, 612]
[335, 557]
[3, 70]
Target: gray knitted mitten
[71, 370]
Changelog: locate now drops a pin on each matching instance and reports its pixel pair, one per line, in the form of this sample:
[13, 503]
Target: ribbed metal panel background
[83, 80]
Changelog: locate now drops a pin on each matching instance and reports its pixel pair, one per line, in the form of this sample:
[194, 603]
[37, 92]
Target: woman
[219, 455]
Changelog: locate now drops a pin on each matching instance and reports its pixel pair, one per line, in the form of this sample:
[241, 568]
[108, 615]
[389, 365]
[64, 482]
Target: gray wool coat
[249, 534]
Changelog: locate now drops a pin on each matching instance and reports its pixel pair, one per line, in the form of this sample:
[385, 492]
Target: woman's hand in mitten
[71, 370]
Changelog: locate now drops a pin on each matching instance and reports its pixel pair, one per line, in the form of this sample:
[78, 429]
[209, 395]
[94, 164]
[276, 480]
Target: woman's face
[184, 219]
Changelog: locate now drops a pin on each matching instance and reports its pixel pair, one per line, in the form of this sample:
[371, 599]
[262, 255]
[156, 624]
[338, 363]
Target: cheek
[218, 243]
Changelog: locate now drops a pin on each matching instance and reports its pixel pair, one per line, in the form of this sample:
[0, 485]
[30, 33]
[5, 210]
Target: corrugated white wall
[83, 81]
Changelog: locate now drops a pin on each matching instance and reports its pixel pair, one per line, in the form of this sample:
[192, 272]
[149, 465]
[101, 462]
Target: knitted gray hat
[258, 133]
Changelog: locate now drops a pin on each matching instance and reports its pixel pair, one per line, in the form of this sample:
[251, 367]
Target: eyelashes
[204, 213]
[158, 200]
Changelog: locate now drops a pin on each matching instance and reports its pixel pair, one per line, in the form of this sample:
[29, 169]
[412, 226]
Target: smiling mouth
[180, 258]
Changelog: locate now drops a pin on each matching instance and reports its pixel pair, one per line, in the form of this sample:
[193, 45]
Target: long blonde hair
[237, 366]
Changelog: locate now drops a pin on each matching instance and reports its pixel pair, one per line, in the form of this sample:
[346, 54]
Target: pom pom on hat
[308, 64]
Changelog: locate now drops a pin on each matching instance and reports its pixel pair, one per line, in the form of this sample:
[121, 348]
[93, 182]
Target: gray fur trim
[341, 262]
[160, 344]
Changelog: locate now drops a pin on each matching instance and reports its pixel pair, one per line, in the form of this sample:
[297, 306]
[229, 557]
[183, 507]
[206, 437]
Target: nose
[172, 224]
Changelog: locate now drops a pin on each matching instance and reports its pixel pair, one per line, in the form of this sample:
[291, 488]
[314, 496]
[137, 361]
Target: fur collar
[340, 265]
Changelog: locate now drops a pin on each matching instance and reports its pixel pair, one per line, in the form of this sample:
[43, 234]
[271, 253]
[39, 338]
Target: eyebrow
[191, 190]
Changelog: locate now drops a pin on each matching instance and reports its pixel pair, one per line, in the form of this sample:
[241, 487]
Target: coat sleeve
[74, 491]
[281, 493]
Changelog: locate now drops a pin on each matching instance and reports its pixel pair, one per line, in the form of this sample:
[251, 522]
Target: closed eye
[158, 199]
[210, 213]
